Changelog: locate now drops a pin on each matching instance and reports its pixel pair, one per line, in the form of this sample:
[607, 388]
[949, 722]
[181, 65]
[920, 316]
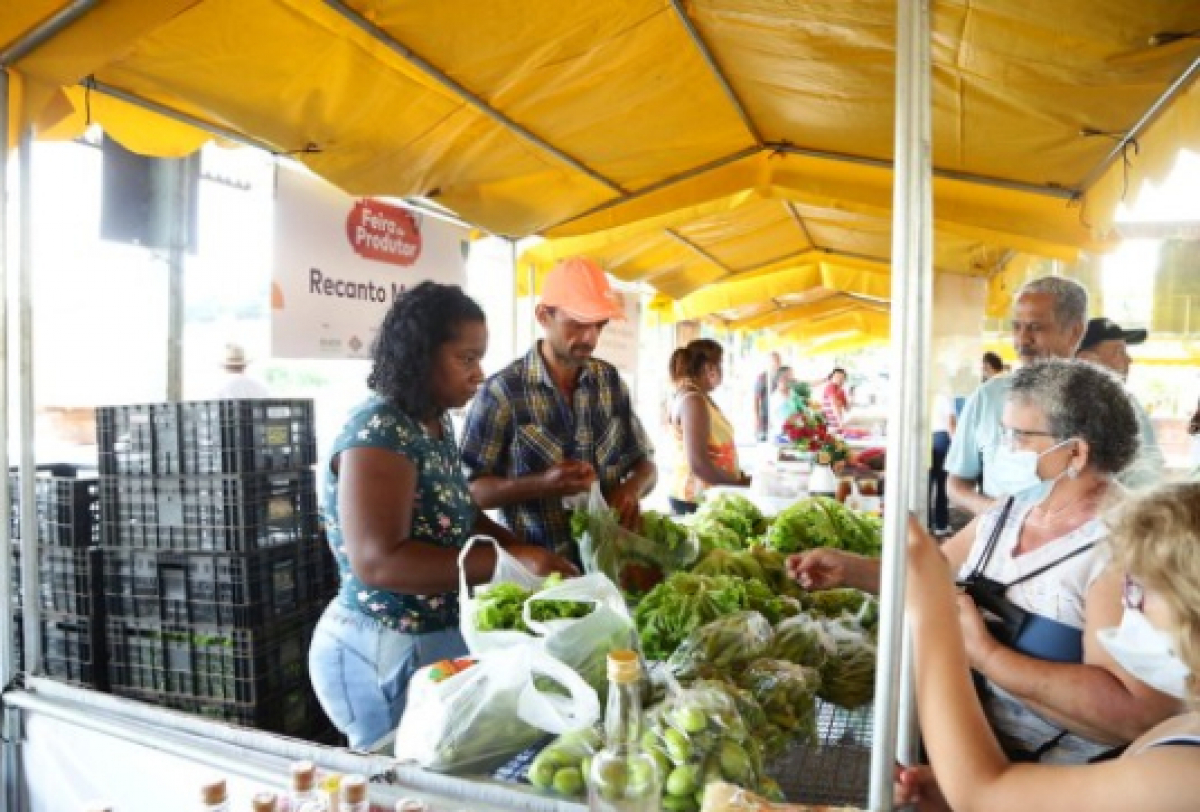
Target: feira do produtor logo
[379, 232]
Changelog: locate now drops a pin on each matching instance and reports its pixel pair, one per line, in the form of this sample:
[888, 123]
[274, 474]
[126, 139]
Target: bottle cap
[411, 805]
[304, 776]
[213, 792]
[624, 666]
[264, 802]
[354, 789]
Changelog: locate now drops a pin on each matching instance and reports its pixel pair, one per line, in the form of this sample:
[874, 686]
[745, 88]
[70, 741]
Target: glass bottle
[304, 796]
[354, 794]
[264, 802]
[624, 777]
[214, 796]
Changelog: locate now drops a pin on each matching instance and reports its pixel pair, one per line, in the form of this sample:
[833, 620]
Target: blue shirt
[978, 434]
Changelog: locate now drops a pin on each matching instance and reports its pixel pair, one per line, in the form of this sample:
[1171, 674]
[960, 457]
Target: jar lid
[354, 789]
[624, 666]
[213, 792]
[264, 802]
[304, 776]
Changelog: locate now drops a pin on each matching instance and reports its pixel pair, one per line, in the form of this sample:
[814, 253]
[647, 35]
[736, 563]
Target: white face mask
[1146, 653]
[1015, 472]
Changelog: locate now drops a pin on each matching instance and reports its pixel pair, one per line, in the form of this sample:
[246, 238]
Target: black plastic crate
[74, 650]
[18, 637]
[228, 590]
[237, 513]
[244, 666]
[69, 581]
[206, 437]
[295, 712]
[68, 510]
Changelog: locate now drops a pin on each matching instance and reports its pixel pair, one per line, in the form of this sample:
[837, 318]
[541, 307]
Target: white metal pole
[7, 664]
[30, 585]
[179, 215]
[516, 301]
[907, 453]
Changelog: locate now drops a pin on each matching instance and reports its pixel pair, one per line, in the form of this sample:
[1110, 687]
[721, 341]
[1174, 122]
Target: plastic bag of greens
[563, 766]
[717, 649]
[582, 643]
[848, 674]
[480, 717]
[787, 693]
[635, 563]
[801, 640]
[489, 617]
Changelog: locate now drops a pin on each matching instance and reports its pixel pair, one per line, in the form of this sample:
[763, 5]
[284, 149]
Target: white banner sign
[619, 342]
[340, 262]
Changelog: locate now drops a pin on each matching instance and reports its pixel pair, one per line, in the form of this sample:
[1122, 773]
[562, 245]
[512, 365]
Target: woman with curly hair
[1155, 550]
[398, 511]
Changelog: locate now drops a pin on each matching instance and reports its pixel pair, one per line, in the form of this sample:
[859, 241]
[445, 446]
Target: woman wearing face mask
[1035, 564]
[1156, 551]
[704, 445]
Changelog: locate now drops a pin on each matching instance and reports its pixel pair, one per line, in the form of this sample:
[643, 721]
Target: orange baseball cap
[579, 287]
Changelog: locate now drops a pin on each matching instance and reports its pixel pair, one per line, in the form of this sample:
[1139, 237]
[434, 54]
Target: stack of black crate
[215, 572]
[70, 573]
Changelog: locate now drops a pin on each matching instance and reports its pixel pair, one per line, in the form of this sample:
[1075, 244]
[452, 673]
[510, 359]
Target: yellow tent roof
[684, 143]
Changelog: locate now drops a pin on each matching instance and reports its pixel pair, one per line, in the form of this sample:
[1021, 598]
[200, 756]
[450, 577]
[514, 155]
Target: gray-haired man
[1049, 316]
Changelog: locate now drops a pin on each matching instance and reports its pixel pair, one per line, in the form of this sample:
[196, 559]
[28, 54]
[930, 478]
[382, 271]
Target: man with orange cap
[551, 423]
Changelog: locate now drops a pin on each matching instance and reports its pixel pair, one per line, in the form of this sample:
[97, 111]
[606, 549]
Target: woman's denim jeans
[360, 671]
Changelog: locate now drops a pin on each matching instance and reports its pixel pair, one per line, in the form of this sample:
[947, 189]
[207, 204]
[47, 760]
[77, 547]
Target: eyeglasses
[1010, 436]
[1133, 594]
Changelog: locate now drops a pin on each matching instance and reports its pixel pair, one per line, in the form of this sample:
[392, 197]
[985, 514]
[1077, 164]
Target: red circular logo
[383, 232]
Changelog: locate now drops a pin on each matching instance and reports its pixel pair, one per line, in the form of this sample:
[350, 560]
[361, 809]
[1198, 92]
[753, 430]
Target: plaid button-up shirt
[521, 424]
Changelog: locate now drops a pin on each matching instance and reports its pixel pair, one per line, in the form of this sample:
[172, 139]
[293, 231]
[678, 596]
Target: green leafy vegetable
[500, 608]
[823, 522]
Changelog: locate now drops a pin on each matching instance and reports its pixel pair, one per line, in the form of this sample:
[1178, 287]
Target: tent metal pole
[463, 94]
[30, 585]
[516, 317]
[7, 666]
[1160, 104]
[41, 33]
[180, 216]
[700, 252]
[912, 272]
[718, 74]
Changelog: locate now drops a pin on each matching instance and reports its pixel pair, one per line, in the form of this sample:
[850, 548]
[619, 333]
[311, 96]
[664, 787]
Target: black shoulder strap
[1029, 576]
[993, 539]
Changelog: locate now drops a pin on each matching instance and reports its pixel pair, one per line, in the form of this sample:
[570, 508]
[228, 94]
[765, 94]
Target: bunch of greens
[500, 608]
[728, 522]
[823, 522]
[787, 694]
[661, 530]
[848, 674]
[801, 640]
[756, 564]
[720, 647]
[682, 604]
[833, 603]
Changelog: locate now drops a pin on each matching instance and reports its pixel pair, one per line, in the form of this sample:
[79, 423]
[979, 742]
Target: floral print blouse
[443, 512]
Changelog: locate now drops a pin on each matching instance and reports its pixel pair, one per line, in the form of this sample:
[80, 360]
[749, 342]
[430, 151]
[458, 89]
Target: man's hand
[568, 478]
[625, 499]
[978, 640]
[818, 569]
[541, 561]
[917, 786]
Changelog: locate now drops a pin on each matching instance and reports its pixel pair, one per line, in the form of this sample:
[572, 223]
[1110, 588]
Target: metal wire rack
[836, 771]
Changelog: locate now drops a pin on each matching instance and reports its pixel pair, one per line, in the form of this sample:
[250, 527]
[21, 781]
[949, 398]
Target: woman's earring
[1072, 471]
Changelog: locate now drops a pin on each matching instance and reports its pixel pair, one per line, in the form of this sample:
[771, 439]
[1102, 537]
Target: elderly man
[1105, 343]
[1048, 319]
[549, 424]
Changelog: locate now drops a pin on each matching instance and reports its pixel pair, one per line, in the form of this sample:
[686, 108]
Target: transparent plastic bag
[720, 647]
[563, 766]
[725, 797]
[848, 674]
[482, 716]
[787, 694]
[635, 563]
[801, 640]
[508, 571]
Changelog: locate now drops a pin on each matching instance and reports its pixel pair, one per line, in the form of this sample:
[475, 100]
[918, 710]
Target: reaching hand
[541, 561]
[818, 569]
[626, 501]
[568, 478]
[918, 786]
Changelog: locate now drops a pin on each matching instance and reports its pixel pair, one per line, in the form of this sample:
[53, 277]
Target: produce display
[635, 563]
[801, 640]
[787, 694]
[848, 674]
[823, 522]
[722, 646]
[833, 603]
[501, 606]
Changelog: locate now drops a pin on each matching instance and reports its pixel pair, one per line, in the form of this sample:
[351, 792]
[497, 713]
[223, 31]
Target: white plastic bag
[479, 718]
[508, 570]
[582, 643]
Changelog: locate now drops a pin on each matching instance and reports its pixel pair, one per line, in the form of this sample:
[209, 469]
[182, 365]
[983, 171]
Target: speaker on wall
[138, 196]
